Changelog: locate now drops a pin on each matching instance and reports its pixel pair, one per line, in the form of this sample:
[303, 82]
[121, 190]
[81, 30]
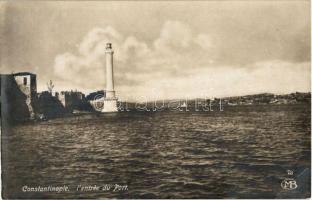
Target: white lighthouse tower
[110, 100]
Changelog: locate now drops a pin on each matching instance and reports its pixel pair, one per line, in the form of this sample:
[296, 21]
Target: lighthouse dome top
[108, 45]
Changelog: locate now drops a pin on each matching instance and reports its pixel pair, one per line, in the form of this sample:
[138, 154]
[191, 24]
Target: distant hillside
[200, 103]
[268, 98]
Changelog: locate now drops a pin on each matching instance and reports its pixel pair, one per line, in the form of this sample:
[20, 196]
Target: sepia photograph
[155, 99]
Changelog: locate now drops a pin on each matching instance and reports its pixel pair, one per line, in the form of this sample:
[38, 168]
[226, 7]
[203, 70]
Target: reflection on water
[240, 152]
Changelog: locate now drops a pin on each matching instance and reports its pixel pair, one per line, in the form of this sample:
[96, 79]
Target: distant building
[73, 100]
[49, 106]
[18, 95]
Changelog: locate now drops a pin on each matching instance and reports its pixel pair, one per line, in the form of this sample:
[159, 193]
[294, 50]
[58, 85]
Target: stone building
[27, 83]
[18, 96]
[73, 100]
[49, 106]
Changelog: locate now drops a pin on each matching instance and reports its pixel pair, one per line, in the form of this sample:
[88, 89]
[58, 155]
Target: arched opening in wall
[25, 81]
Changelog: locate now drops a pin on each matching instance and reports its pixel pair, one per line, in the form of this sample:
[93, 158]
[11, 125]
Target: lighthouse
[110, 100]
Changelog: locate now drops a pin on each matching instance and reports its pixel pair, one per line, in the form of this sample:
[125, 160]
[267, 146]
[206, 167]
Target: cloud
[272, 76]
[174, 35]
[178, 63]
[95, 40]
[170, 52]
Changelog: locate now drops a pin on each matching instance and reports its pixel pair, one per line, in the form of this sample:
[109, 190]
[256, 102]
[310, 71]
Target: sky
[163, 49]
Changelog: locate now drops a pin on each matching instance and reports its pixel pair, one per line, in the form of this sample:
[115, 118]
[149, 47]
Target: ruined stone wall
[27, 84]
[14, 104]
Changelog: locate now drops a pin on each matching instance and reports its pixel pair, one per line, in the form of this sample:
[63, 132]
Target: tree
[50, 86]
